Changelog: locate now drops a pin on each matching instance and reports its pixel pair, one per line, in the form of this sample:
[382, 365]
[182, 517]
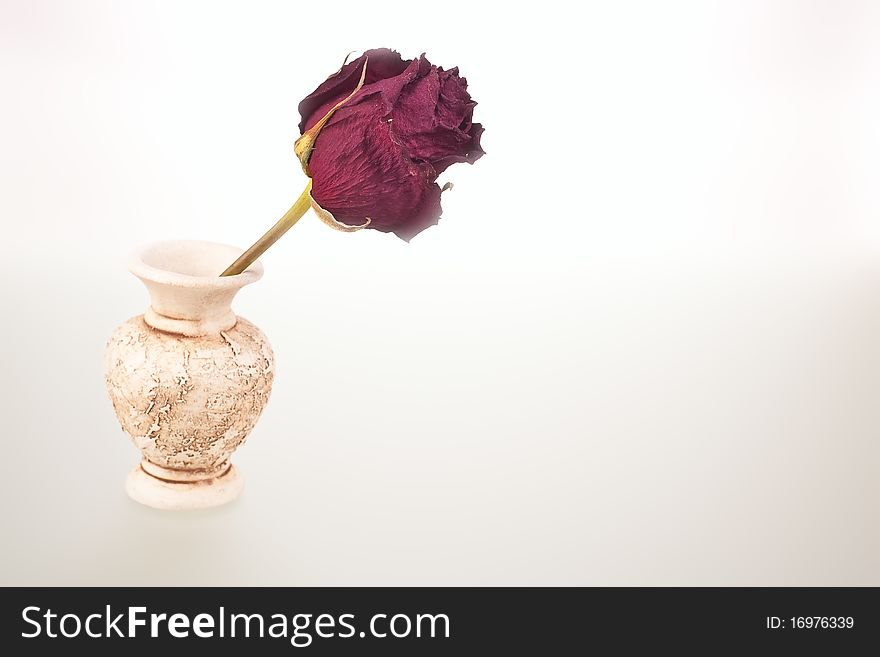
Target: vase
[188, 379]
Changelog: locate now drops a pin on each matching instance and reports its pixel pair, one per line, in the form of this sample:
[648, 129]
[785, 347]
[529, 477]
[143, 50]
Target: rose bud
[378, 133]
[375, 136]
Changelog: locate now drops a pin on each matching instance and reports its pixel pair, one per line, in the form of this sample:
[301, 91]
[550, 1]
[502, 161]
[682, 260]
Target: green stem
[297, 210]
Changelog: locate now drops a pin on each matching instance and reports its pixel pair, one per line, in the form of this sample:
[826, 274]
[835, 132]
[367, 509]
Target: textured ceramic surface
[188, 379]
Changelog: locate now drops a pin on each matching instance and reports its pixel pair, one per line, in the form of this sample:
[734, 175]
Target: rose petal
[432, 117]
[384, 64]
[360, 170]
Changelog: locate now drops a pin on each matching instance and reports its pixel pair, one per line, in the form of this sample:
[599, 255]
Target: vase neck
[187, 294]
[173, 312]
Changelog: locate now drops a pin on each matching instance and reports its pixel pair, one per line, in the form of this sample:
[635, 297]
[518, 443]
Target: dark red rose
[379, 154]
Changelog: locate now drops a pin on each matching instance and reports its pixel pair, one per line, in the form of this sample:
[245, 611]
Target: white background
[641, 347]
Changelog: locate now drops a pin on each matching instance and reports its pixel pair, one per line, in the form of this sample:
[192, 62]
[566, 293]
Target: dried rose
[375, 136]
[378, 155]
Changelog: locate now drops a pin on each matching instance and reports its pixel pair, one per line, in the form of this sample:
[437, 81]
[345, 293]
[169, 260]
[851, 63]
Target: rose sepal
[306, 142]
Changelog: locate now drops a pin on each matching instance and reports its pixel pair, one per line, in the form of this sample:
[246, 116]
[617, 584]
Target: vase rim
[191, 263]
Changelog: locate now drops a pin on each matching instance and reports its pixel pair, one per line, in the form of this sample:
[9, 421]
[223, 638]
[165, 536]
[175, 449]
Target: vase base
[161, 493]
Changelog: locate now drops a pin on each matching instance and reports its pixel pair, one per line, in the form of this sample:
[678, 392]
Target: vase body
[188, 379]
